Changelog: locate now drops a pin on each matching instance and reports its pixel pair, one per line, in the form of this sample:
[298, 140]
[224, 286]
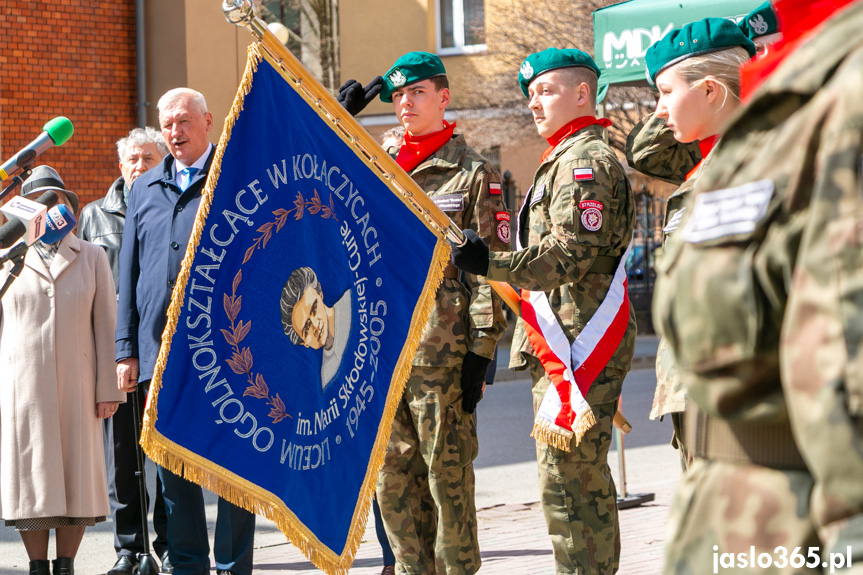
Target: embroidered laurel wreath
[241, 362]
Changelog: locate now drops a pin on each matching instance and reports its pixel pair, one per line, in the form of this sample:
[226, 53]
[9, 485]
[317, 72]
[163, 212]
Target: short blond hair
[723, 65]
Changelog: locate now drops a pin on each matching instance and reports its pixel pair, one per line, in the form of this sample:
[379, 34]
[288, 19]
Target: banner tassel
[556, 436]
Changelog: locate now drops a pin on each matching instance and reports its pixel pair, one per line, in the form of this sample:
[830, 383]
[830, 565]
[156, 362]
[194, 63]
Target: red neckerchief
[570, 129]
[798, 21]
[705, 146]
[415, 149]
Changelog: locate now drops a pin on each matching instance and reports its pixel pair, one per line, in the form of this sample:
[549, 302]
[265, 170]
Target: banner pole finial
[242, 13]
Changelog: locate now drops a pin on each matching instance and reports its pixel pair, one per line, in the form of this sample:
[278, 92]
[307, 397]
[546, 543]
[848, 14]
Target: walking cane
[147, 565]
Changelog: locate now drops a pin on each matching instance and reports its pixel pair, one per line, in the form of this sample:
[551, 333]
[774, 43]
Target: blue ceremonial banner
[302, 297]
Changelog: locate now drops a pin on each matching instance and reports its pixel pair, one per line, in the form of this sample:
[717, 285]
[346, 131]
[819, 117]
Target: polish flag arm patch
[494, 189]
[582, 174]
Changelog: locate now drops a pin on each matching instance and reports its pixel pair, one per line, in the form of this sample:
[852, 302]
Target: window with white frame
[461, 26]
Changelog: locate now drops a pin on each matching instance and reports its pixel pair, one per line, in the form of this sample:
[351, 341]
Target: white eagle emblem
[591, 219]
[503, 232]
[397, 78]
[759, 24]
[526, 70]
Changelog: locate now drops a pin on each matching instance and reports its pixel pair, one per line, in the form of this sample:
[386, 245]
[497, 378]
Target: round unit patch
[591, 219]
[503, 231]
[591, 215]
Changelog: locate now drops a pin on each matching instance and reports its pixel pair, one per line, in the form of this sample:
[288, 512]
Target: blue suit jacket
[159, 222]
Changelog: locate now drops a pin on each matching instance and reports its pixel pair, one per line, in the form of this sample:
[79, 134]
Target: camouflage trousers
[577, 492]
[426, 487]
[721, 508]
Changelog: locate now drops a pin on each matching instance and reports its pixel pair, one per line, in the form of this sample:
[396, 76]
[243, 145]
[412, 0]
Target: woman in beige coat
[57, 379]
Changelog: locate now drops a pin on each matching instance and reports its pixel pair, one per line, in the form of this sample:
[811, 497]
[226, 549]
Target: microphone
[60, 221]
[54, 133]
[26, 218]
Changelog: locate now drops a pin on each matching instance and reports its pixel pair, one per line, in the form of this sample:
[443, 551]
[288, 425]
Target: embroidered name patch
[728, 212]
[449, 202]
[503, 229]
[494, 189]
[582, 174]
[591, 215]
[537, 194]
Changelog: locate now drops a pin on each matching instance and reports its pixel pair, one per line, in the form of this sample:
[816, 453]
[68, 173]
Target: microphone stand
[18, 259]
[16, 181]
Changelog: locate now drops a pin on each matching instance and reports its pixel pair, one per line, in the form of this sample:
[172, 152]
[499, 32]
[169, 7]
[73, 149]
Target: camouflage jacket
[467, 316]
[670, 395]
[558, 247]
[652, 150]
[761, 291]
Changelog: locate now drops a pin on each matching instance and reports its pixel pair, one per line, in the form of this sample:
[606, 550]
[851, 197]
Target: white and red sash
[564, 411]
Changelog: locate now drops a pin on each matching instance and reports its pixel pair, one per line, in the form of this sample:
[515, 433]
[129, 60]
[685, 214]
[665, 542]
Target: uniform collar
[448, 156]
[590, 131]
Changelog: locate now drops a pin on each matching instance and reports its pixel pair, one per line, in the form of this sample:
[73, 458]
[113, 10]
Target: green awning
[623, 32]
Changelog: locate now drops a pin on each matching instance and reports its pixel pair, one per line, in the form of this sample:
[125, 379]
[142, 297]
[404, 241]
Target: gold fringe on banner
[556, 436]
[230, 486]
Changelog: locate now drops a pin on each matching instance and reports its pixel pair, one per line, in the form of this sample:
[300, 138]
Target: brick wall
[73, 58]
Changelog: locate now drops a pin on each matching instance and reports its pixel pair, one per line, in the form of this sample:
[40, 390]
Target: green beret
[552, 59]
[409, 69]
[694, 39]
[760, 22]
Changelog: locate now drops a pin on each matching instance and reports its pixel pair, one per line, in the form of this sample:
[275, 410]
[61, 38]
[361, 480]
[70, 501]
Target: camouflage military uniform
[761, 298]
[577, 491]
[652, 149]
[426, 487]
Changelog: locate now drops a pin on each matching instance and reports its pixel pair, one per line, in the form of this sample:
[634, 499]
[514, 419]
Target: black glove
[472, 375]
[354, 98]
[472, 257]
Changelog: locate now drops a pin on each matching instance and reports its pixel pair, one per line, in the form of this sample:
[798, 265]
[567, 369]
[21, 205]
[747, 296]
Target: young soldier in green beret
[696, 70]
[426, 487]
[574, 226]
[651, 148]
[760, 296]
